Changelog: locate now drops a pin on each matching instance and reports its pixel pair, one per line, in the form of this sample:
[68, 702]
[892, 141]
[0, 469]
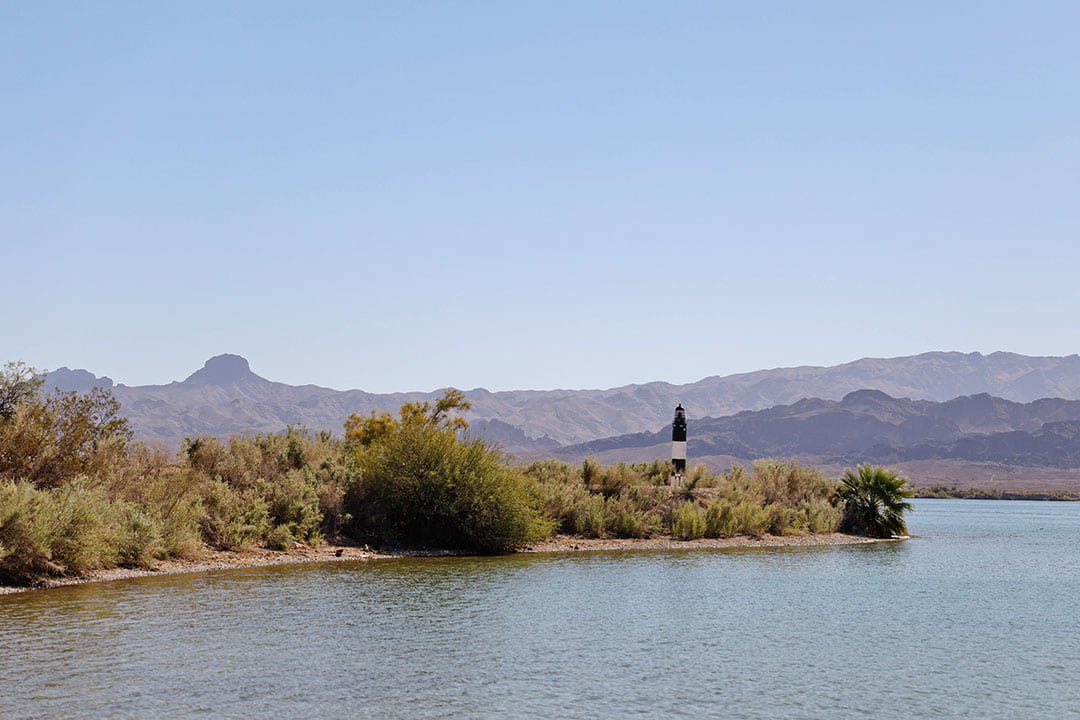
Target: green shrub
[720, 519]
[420, 483]
[170, 497]
[590, 471]
[233, 520]
[85, 536]
[689, 522]
[819, 516]
[781, 519]
[701, 477]
[614, 480]
[280, 538]
[140, 540]
[301, 478]
[553, 472]
[588, 517]
[751, 519]
[331, 481]
[635, 500]
[657, 472]
[561, 503]
[26, 533]
[627, 522]
[181, 533]
[52, 532]
[293, 502]
[790, 484]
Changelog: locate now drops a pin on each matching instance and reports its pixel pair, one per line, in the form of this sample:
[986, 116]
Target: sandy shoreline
[258, 557]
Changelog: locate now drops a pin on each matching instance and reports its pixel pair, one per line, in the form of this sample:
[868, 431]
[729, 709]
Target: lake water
[977, 617]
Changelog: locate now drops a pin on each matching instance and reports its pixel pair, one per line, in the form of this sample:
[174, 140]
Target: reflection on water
[975, 617]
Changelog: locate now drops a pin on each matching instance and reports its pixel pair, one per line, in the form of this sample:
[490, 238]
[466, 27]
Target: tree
[19, 383]
[361, 431]
[875, 500]
[50, 439]
[421, 480]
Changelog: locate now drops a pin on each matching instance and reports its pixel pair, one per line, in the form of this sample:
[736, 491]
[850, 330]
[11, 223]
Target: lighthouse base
[678, 472]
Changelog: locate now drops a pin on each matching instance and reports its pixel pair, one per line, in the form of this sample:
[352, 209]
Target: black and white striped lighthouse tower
[678, 446]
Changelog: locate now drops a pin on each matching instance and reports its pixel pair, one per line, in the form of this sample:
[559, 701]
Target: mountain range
[1001, 420]
[225, 397]
[871, 426]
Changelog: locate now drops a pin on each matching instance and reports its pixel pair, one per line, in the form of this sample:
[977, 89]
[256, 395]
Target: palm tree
[874, 502]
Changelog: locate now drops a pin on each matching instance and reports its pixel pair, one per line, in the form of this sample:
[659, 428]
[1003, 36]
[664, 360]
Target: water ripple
[974, 618]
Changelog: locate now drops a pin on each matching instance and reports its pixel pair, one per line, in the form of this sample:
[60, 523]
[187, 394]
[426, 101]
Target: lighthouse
[678, 446]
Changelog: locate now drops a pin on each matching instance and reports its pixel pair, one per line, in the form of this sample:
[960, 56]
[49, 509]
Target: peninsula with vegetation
[78, 495]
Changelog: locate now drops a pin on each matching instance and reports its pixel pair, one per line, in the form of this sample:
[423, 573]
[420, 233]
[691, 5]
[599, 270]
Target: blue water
[976, 617]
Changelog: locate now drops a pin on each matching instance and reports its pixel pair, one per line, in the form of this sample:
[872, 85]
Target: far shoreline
[262, 557]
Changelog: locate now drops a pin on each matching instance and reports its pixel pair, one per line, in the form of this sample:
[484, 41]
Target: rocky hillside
[871, 426]
[226, 397]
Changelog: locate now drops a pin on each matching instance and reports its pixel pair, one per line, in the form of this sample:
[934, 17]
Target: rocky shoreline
[257, 557]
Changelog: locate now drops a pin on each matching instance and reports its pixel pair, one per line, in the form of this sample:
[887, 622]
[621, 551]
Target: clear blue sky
[406, 196]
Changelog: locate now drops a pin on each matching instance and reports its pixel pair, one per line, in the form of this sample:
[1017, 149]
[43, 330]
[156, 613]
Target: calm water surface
[977, 617]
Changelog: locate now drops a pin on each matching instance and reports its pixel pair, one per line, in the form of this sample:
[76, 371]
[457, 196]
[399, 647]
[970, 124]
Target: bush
[720, 519]
[294, 504]
[590, 471]
[26, 533]
[173, 498]
[233, 520]
[657, 472]
[50, 439]
[588, 517]
[280, 538]
[553, 472]
[626, 521]
[819, 516]
[751, 519]
[75, 495]
[140, 539]
[636, 501]
[689, 522]
[331, 480]
[614, 480]
[44, 532]
[420, 483]
[85, 537]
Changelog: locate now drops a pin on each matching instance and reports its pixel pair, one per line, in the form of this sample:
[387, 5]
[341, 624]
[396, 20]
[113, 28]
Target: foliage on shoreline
[418, 480]
[959, 493]
[272, 490]
[76, 494]
[875, 500]
[634, 501]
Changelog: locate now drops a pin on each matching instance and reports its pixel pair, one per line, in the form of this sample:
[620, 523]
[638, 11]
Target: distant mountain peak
[866, 395]
[64, 378]
[221, 370]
